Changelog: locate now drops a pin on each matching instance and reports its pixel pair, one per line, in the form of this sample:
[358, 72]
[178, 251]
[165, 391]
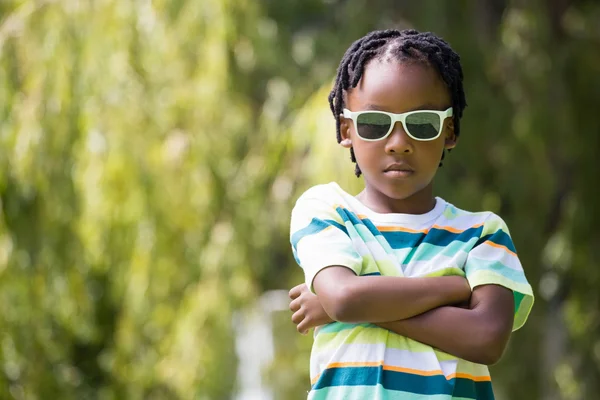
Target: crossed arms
[439, 311]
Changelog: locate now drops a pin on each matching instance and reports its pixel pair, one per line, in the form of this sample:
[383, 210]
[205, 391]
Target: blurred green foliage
[150, 154]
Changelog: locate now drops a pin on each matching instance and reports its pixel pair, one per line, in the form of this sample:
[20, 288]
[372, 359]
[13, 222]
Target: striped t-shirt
[363, 361]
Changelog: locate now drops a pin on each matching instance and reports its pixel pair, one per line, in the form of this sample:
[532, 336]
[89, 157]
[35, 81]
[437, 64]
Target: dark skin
[438, 311]
[398, 88]
[485, 320]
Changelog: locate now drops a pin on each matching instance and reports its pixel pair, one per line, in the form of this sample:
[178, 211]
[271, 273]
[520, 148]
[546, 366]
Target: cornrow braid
[405, 45]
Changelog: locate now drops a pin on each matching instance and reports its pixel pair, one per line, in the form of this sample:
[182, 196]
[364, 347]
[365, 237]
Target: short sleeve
[494, 260]
[319, 238]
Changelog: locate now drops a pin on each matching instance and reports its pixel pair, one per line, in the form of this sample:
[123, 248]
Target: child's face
[398, 88]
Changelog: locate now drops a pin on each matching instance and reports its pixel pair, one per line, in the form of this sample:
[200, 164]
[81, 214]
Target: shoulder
[325, 192]
[328, 196]
[320, 201]
[487, 222]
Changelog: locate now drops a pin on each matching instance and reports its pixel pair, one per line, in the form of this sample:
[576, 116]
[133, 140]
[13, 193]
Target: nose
[398, 141]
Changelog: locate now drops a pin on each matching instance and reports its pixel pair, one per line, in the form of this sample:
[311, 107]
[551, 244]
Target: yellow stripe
[424, 231]
[413, 371]
[403, 369]
[469, 376]
[400, 229]
[499, 246]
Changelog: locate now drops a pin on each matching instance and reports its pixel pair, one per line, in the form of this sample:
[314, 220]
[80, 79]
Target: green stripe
[494, 224]
[427, 251]
[347, 334]
[404, 381]
[518, 300]
[449, 271]
[526, 300]
[384, 267]
[371, 392]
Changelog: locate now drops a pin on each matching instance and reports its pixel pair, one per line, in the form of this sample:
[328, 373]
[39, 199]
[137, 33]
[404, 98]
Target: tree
[151, 153]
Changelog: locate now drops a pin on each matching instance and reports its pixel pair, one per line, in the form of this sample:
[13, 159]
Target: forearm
[447, 329]
[380, 299]
[475, 335]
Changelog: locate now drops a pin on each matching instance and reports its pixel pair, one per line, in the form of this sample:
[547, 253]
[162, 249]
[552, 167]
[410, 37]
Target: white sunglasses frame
[398, 117]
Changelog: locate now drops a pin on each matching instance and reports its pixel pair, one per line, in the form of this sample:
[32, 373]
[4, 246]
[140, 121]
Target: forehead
[399, 87]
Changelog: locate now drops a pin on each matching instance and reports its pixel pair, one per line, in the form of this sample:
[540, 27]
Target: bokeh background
[151, 152]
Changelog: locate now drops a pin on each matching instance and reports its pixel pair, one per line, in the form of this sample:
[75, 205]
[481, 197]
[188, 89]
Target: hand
[307, 309]
[466, 302]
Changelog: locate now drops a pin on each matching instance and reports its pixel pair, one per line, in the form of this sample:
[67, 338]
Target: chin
[396, 191]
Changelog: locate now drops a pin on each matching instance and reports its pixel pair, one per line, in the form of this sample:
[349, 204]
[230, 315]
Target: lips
[399, 170]
[400, 167]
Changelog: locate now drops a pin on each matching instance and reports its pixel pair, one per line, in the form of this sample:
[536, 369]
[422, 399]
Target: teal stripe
[337, 225]
[442, 237]
[475, 265]
[315, 226]
[348, 216]
[499, 237]
[374, 392]
[402, 381]
[435, 236]
[402, 240]
[364, 227]
[427, 251]
[372, 228]
[335, 327]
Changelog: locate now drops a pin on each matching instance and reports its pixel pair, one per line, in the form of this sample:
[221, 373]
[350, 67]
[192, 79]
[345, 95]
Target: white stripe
[375, 353]
[491, 253]
[438, 263]
[463, 221]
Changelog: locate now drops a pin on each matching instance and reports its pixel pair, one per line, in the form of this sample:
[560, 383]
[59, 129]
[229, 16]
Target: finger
[295, 305]
[296, 291]
[303, 326]
[303, 288]
[298, 317]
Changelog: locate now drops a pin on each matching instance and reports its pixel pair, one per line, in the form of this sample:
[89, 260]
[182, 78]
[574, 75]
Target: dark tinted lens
[423, 125]
[373, 125]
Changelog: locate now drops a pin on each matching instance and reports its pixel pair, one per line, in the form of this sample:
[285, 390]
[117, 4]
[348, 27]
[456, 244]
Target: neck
[419, 203]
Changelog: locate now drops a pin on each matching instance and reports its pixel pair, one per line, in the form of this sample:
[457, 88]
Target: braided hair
[405, 45]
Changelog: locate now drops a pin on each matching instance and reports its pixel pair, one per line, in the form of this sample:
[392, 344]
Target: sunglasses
[422, 125]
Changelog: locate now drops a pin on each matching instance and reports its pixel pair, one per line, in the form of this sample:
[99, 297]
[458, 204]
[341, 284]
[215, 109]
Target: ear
[451, 138]
[345, 125]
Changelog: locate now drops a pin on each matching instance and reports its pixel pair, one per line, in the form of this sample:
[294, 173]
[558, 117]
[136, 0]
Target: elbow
[340, 307]
[487, 356]
[491, 346]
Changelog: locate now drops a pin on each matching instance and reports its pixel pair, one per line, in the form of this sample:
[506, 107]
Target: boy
[418, 296]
